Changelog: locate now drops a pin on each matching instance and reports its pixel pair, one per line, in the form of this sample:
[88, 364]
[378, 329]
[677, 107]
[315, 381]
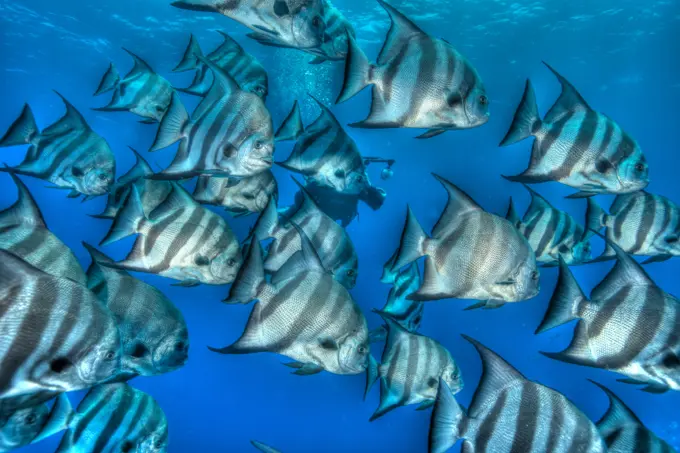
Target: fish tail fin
[250, 279]
[128, 220]
[564, 303]
[526, 121]
[22, 131]
[172, 125]
[268, 221]
[189, 60]
[446, 424]
[292, 126]
[358, 71]
[109, 80]
[413, 243]
[512, 215]
[596, 218]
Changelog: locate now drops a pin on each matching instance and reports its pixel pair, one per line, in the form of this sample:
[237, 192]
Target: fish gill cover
[217, 85]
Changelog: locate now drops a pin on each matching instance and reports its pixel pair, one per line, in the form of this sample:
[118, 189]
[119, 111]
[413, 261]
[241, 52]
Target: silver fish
[303, 314]
[239, 197]
[510, 413]
[577, 146]
[263, 448]
[153, 331]
[34, 423]
[418, 82]
[116, 418]
[629, 325]
[142, 91]
[68, 153]
[407, 313]
[472, 254]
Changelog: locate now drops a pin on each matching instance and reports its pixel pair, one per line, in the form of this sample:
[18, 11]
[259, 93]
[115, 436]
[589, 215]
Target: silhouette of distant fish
[577, 146]
[407, 313]
[239, 197]
[34, 423]
[68, 153]
[263, 448]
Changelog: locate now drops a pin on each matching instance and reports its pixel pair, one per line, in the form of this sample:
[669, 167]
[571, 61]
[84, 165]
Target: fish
[411, 369]
[641, 224]
[34, 423]
[69, 154]
[330, 241]
[324, 153]
[576, 146]
[230, 133]
[472, 254]
[245, 69]
[303, 314]
[510, 413]
[296, 23]
[154, 334]
[57, 337]
[418, 82]
[240, 197]
[181, 240]
[116, 417]
[623, 431]
[152, 192]
[628, 325]
[142, 91]
[264, 448]
[24, 233]
[551, 233]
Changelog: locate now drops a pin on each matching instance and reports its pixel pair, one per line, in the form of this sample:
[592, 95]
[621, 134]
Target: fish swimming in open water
[240, 197]
[34, 423]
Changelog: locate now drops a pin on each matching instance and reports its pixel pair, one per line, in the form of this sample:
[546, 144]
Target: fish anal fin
[389, 400]
[25, 210]
[251, 340]
[578, 352]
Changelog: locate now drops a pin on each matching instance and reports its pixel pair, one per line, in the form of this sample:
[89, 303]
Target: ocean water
[622, 55]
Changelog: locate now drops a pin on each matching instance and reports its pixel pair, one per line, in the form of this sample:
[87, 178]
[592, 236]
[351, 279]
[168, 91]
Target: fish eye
[535, 275]
[362, 349]
[158, 445]
[102, 176]
[77, 172]
[139, 351]
[340, 173]
[179, 346]
[110, 355]
[640, 167]
[483, 100]
[351, 273]
[231, 262]
[258, 145]
[30, 419]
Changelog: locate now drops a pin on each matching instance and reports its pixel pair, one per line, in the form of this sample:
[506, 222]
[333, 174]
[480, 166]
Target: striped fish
[296, 23]
[240, 197]
[57, 337]
[641, 224]
[230, 133]
[181, 240]
[153, 331]
[245, 69]
[407, 313]
[152, 192]
[629, 325]
[472, 254]
[303, 314]
[116, 418]
[623, 432]
[68, 153]
[23, 232]
[34, 423]
[577, 146]
[141, 91]
[418, 82]
[411, 369]
[263, 448]
[551, 233]
[330, 240]
[508, 414]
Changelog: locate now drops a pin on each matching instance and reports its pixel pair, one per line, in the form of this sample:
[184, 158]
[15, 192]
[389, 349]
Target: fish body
[510, 413]
[245, 69]
[240, 197]
[230, 133]
[154, 334]
[296, 23]
[34, 423]
[116, 418]
[577, 146]
[303, 314]
[23, 232]
[629, 325]
[68, 153]
[418, 82]
[551, 233]
[181, 240]
[472, 254]
[142, 91]
[641, 224]
[331, 242]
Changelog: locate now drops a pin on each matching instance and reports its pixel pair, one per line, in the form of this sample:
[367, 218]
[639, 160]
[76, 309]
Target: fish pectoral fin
[268, 40]
[148, 121]
[480, 304]
[306, 369]
[655, 388]
[657, 259]
[493, 304]
[425, 405]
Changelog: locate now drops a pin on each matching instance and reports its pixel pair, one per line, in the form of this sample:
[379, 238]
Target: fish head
[666, 369]
[308, 26]
[94, 173]
[225, 266]
[172, 352]
[476, 106]
[253, 155]
[154, 443]
[453, 377]
[357, 181]
[23, 426]
[101, 361]
[347, 274]
[257, 87]
[579, 253]
[521, 284]
[354, 351]
[669, 244]
[632, 172]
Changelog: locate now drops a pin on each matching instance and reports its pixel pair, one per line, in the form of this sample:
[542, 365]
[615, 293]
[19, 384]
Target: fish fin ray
[172, 125]
[402, 29]
[526, 120]
[570, 99]
[564, 303]
[291, 128]
[23, 131]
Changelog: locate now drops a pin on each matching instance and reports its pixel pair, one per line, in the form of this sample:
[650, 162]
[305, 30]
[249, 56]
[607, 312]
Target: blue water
[621, 54]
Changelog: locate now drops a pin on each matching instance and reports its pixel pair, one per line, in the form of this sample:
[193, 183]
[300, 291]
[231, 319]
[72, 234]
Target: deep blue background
[622, 56]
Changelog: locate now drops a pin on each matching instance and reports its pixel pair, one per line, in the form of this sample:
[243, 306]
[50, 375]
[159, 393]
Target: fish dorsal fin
[395, 332]
[140, 66]
[97, 275]
[305, 260]
[71, 120]
[179, 198]
[325, 119]
[15, 272]
[189, 60]
[626, 272]
[617, 415]
[229, 45]
[538, 203]
[570, 99]
[25, 210]
[223, 84]
[402, 29]
[292, 126]
[140, 169]
[458, 205]
[109, 80]
[512, 216]
[308, 207]
[497, 375]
